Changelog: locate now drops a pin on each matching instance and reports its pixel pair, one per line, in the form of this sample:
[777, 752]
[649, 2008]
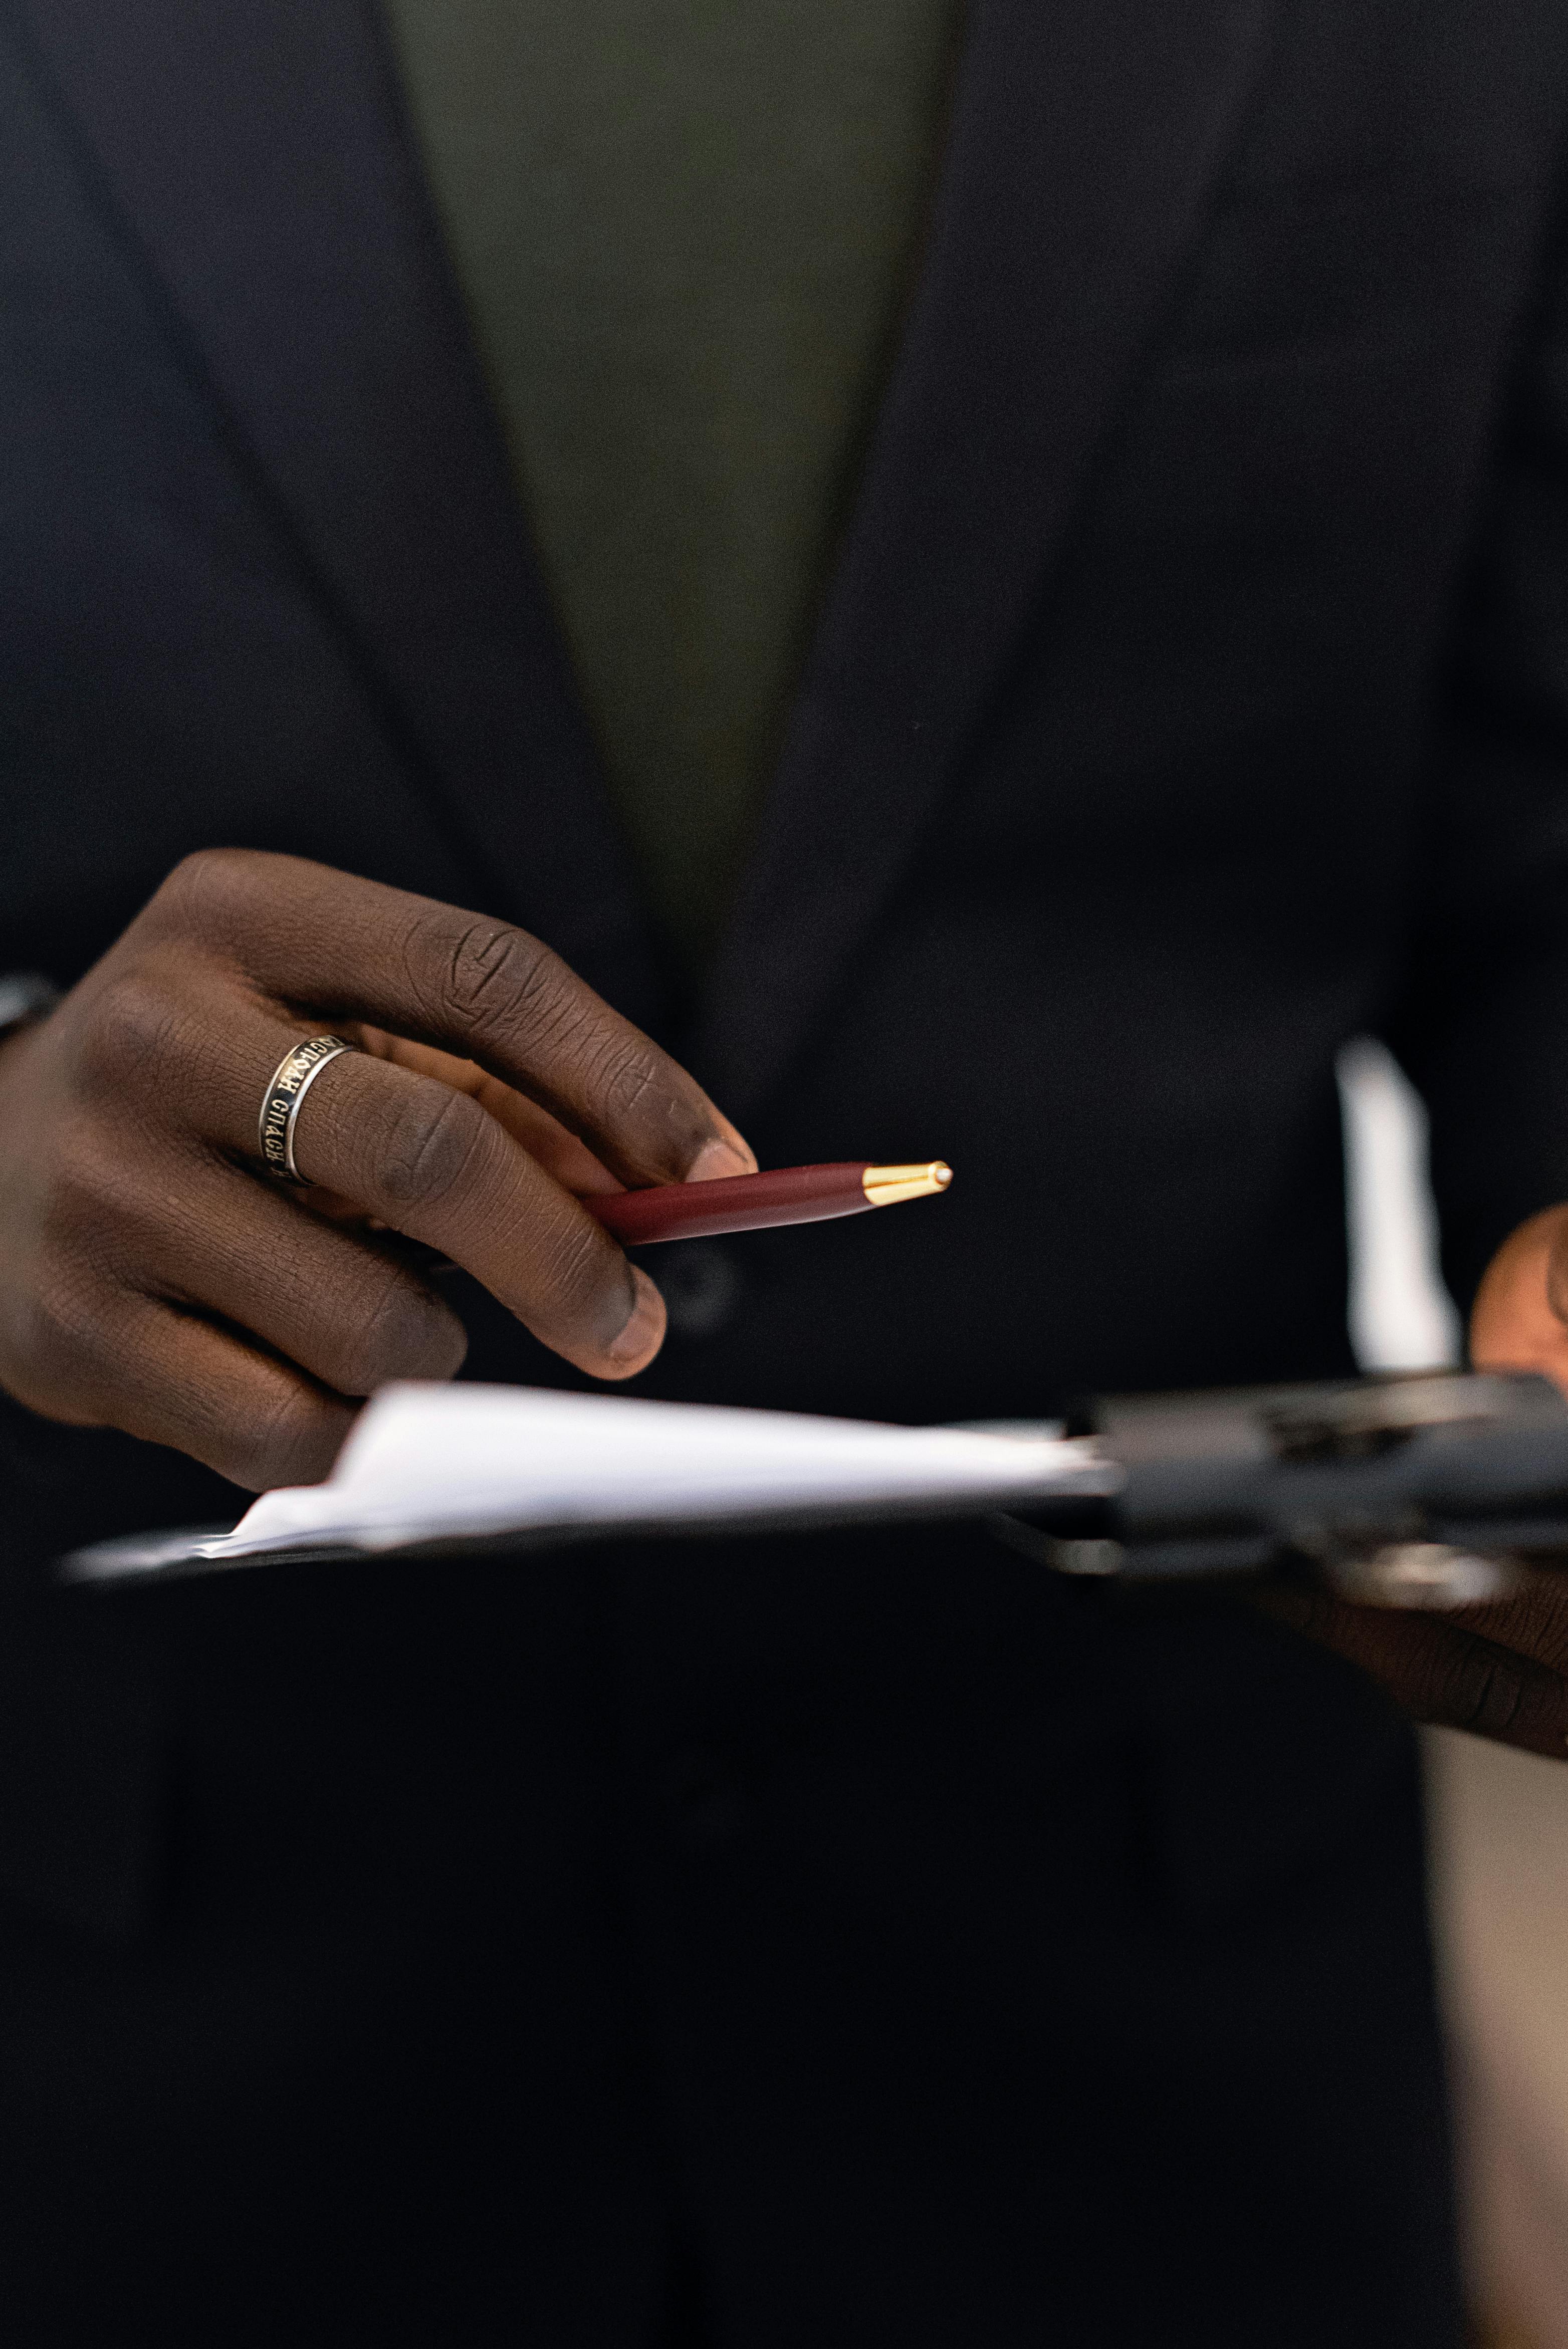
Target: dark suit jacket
[854, 1940]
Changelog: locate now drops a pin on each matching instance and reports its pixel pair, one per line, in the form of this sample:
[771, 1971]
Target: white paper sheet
[429, 1463]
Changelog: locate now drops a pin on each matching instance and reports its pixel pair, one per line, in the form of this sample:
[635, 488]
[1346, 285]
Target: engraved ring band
[291, 1080]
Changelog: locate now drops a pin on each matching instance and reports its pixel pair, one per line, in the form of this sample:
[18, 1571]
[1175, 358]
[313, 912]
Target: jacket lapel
[1085, 135]
[252, 157]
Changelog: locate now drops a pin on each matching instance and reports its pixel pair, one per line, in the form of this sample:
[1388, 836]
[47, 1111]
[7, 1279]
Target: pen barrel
[740, 1203]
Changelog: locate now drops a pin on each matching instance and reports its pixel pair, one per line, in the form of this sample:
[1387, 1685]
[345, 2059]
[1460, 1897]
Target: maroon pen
[749, 1203]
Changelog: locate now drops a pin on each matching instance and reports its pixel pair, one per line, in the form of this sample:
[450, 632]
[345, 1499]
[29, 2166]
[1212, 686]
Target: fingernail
[644, 1330]
[716, 1159]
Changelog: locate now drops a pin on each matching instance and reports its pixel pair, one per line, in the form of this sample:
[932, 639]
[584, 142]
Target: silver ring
[292, 1080]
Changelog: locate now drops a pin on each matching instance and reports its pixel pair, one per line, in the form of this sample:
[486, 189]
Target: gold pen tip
[885, 1186]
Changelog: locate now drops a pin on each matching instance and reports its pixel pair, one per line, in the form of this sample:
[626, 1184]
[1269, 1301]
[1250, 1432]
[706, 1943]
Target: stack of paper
[433, 1464]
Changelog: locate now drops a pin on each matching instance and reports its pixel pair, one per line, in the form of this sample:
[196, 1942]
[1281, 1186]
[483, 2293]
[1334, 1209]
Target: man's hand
[1503, 1669]
[153, 1279]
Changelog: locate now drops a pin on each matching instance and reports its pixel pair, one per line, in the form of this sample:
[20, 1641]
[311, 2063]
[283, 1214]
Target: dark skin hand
[152, 1279]
[1499, 1669]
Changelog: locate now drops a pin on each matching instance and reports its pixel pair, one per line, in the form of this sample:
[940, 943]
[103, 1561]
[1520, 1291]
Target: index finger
[351, 949]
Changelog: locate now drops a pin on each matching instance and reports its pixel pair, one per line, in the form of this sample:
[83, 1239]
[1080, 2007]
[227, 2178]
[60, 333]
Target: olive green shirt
[686, 231]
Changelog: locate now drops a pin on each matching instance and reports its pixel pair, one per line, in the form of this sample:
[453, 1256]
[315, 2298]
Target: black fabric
[851, 1939]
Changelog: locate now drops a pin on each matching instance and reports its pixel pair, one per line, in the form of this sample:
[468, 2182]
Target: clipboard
[1417, 1489]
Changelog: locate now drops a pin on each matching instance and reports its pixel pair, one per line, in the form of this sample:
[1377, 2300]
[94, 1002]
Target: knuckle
[498, 981]
[582, 1274]
[56, 1335]
[205, 888]
[628, 1076]
[288, 1437]
[139, 1030]
[84, 1224]
[435, 1140]
[404, 1333]
[39, 1337]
